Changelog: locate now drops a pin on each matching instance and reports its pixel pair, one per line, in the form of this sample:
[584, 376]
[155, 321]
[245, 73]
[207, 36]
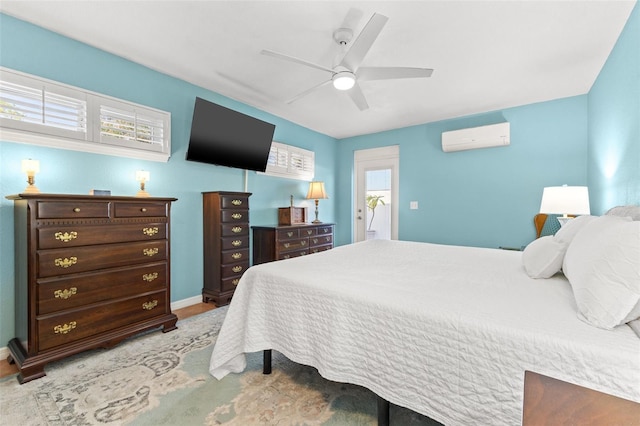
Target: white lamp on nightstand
[565, 200]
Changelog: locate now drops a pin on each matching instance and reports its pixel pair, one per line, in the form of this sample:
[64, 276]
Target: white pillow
[602, 264]
[572, 227]
[543, 257]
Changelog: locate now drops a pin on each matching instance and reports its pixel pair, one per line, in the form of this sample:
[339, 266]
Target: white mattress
[445, 331]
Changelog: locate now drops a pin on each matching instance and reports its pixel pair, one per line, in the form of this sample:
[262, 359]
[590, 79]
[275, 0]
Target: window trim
[291, 172]
[48, 136]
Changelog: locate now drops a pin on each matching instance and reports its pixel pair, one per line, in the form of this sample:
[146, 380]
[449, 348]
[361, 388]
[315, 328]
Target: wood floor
[7, 369]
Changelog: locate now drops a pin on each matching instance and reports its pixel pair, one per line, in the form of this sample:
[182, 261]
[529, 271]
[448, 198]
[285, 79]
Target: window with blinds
[43, 112]
[290, 162]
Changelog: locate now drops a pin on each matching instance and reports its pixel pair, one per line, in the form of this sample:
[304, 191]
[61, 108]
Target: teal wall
[33, 50]
[485, 197]
[614, 124]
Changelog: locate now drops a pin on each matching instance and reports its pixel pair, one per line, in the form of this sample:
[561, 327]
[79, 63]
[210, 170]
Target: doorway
[376, 193]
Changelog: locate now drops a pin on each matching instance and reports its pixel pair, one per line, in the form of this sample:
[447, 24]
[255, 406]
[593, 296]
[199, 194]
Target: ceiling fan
[348, 72]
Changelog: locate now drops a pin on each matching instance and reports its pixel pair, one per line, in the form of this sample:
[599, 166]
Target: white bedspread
[445, 331]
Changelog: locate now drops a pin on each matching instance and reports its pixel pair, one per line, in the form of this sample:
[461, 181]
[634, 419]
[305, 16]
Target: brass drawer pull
[237, 269]
[150, 251]
[150, 277]
[289, 234]
[309, 232]
[236, 216]
[303, 242]
[315, 241]
[150, 231]
[66, 262]
[286, 245]
[236, 256]
[236, 229]
[64, 329]
[76, 210]
[235, 281]
[143, 210]
[325, 230]
[236, 202]
[286, 256]
[147, 306]
[327, 239]
[236, 243]
[65, 294]
[303, 253]
[66, 236]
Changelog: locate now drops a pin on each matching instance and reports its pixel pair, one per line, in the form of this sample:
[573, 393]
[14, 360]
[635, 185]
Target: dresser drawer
[235, 216]
[73, 236]
[63, 328]
[72, 209]
[290, 245]
[82, 259]
[130, 209]
[234, 201]
[232, 256]
[231, 229]
[232, 243]
[319, 249]
[229, 284]
[288, 234]
[292, 254]
[57, 294]
[308, 232]
[235, 269]
[320, 240]
[323, 230]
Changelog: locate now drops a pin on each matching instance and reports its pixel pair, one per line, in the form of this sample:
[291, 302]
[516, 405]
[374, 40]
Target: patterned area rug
[162, 379]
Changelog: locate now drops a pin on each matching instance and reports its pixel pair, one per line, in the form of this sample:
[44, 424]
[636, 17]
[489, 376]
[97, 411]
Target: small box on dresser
[226, 243]
[272, 243]
[90, 271]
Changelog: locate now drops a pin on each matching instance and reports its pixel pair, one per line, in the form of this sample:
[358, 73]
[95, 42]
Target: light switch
[413, 205]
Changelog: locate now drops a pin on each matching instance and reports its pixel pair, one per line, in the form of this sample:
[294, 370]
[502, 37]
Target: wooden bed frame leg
[266, 361]
[383, 411]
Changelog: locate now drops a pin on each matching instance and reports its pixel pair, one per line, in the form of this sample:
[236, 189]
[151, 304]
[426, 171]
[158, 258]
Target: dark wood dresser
[90, 271]
[226, 243]
[284, 242]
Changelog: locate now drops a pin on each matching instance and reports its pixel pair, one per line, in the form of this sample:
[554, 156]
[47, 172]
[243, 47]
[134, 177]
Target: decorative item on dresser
[226, 243]
[90, 271]
[284, 242]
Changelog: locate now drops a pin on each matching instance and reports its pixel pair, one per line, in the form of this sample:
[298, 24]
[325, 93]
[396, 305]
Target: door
[376, 193]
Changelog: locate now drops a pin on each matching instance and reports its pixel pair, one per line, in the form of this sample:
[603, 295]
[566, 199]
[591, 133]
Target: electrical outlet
[413, 205]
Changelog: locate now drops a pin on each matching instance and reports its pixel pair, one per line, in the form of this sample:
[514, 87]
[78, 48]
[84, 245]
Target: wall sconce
[143, 177]
[31, 167]
[316, 192]
[565, 200]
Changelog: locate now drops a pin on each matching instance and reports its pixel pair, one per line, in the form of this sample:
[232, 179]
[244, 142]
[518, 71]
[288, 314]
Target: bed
[446, 331]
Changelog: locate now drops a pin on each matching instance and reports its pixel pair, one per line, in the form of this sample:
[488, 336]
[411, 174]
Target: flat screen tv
[229, 138]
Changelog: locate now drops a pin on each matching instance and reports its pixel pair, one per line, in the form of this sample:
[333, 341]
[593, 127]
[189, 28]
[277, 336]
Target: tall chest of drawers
[226, 243]
[90, 271]
[284, 242]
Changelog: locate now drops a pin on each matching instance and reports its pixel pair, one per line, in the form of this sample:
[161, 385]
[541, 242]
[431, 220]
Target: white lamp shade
[573, 200]
[143, 176]
[316, 191]
[30, 165]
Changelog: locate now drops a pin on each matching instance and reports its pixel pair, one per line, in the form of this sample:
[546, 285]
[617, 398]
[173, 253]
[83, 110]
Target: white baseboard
[4, 351]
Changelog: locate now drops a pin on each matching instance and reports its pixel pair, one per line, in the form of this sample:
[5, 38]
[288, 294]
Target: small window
[290, 162]
[38, 111]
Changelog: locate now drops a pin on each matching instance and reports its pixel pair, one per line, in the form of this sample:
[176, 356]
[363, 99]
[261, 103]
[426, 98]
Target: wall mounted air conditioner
[476, 137]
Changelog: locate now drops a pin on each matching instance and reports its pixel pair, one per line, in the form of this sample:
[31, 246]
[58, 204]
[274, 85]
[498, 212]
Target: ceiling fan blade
[358, 97]
[295, 60]
[363, 42]
[388, 73]
[306, 92]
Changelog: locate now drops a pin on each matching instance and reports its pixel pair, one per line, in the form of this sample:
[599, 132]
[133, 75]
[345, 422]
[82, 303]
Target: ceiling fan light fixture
[344, 80]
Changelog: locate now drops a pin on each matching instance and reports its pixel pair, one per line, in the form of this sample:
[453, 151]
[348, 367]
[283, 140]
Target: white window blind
[290, 162]
[42, 112]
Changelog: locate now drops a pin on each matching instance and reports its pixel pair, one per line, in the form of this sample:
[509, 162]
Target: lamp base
[563, 220]
[316, 221]
[31, 189]
[142, 193]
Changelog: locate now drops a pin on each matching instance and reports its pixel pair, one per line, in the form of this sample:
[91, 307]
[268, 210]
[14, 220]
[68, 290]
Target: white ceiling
[486, 55]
